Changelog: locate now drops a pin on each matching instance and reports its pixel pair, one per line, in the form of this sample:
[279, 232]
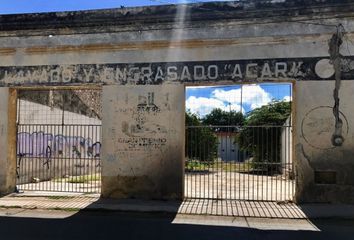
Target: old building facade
[142, 59]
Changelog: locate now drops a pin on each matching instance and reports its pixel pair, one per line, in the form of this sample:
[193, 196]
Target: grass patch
[65, 209]
[10, 207]
[60, 197]
[79, 179]
[199, 166]
[196, 165]
[244, 167]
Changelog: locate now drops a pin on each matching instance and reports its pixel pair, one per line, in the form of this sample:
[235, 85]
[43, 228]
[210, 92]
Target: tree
[201, 141]
[262, 132]
[219, 117]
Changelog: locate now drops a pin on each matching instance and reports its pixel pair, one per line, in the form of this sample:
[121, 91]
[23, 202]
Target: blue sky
[201, 100]
[31, 6]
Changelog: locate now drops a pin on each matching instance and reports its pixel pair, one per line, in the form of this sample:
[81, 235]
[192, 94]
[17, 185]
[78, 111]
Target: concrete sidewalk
[243, 222]
[226, 208]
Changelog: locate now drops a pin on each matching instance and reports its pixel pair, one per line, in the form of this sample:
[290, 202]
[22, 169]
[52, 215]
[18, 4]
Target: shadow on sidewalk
[97, 224]
[138, 219]
[100, 225]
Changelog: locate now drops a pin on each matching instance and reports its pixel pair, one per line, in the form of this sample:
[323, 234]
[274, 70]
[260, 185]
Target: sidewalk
[228, 208]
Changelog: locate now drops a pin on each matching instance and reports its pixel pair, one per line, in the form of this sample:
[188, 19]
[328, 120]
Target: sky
[32, 6]
[202, 100]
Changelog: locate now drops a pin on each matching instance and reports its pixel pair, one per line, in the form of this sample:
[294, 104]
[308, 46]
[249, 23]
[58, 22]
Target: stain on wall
[143, 147]
[315, 152]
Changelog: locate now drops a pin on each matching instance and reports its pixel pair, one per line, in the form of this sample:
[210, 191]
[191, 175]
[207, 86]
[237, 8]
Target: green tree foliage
[201, 141]
[218, 117]
[261, 135]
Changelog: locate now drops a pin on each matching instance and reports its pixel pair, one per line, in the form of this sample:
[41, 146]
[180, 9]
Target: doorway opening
[59, 140]
[239, 143]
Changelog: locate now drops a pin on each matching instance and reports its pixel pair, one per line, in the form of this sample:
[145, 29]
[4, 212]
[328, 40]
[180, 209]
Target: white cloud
[287, 98]
[203, 105]
[197, 87]
[252, 95]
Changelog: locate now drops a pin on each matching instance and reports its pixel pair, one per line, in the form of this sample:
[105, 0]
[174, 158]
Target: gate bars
[58, 148]
[239, 163]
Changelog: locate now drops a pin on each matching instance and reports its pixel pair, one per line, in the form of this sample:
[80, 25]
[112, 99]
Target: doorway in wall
[59, 140]
[239, 143]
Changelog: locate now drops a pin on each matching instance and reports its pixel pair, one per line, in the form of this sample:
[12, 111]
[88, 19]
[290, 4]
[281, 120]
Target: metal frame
[231, 194]
[57, 156]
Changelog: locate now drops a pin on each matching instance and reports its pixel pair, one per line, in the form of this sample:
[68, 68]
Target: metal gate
[240, 162]
[59, 140]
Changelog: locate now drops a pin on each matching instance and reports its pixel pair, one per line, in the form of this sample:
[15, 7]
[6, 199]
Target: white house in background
[228, 148]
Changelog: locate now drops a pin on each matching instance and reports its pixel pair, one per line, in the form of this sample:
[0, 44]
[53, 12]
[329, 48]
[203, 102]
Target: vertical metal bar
[100, 162]
[272, 183]
[81, 173]
[260, 187]
[200, 162]
[213, 176]
[239, 174]
[52, 164]
[190, 161]
[38, 171]
[186, 161]
[88, 161]
[221, 170]
[278, 158]
[261, 145]
[202, 169]
[44, 161]
[210, 169]
[284, 160]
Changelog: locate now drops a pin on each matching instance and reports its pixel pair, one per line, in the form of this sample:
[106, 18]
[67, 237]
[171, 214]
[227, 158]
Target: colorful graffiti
[40, 144]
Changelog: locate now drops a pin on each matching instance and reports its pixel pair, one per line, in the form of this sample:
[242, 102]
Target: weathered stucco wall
[325, 171]
[7, 160]
[143, 141]
[4, 95]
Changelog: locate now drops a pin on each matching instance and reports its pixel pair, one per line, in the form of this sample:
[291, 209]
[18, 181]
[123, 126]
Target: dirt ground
[202, 184]
[240, 186]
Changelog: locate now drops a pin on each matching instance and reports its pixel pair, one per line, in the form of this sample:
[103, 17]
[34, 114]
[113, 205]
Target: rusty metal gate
[59, 140]
[240, 161]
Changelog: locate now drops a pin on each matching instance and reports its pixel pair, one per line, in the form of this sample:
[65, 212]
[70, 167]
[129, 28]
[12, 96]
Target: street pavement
[19, 223]
[73, 216]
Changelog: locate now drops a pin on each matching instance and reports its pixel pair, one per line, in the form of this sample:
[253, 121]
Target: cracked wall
[316, 155]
